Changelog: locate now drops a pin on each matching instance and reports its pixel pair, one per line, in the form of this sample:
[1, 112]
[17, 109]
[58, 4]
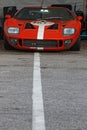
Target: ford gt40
[42, 28]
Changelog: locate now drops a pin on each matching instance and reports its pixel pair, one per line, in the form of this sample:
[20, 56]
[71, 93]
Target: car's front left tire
[76, 46]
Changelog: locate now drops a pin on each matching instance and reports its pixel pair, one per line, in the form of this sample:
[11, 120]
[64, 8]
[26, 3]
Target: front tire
[7, 46]
[76, 46]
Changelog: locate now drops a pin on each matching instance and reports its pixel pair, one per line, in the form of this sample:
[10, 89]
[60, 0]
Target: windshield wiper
[58, 18]
[49, 18]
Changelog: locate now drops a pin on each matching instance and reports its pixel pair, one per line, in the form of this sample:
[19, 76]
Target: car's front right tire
[6, 45]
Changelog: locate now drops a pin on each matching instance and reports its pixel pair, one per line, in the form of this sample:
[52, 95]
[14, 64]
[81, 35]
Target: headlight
[13, 30]
[68, 31]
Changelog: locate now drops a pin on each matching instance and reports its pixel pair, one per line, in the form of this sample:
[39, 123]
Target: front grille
[40, 43]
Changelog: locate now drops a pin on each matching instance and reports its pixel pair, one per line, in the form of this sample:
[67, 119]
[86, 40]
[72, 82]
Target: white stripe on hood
[41, 28]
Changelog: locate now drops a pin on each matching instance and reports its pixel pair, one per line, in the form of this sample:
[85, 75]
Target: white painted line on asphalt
[38, 120]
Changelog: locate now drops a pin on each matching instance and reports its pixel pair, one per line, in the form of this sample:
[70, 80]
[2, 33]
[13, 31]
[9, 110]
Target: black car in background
[6, 10]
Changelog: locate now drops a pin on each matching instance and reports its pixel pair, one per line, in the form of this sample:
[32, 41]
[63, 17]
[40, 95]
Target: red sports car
[42, 28]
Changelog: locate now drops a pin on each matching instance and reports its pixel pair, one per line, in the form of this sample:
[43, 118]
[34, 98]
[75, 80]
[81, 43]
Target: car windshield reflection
[44, 13]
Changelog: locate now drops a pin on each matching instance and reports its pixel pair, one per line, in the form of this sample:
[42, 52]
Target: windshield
[43, 13]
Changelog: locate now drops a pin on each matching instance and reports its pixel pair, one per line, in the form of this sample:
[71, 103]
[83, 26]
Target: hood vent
[54, 26]
[29, 26]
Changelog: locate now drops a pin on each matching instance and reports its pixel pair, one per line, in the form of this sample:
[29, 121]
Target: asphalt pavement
[43, 88]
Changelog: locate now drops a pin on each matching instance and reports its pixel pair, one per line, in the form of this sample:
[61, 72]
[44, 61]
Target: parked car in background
[6, 10]
[39, 28]
[1, 28]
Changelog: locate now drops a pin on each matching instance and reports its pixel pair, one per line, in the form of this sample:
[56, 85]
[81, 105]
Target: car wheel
[1, 33]
[76, 47]
[7, 46]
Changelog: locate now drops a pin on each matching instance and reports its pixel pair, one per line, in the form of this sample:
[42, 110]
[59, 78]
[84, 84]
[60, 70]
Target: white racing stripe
[38, 122]
[41, 25]
[41, 31]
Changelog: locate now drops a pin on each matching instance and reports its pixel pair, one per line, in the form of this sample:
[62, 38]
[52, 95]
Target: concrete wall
[20, 3]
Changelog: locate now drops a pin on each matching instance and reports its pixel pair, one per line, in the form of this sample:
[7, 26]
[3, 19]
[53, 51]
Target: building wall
[20, 3]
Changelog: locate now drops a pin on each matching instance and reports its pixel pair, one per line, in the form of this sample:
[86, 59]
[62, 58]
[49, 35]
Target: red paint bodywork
[52, 35]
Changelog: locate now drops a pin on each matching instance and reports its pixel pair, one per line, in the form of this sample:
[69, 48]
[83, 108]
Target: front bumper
[28, 44]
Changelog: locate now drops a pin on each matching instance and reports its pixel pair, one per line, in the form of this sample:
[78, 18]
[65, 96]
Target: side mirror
[7, 16]
[80, 18]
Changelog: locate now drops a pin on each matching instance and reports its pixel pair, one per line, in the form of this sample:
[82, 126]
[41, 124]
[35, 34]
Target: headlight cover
[68, 31]
[13, 30]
